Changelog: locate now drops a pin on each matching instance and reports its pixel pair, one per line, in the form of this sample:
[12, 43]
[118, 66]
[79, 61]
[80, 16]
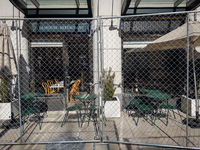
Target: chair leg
[65, 118]
[152, 118]
[23, 122]
[78, 118]
[179, 114]
[138, 118]
[173, 114]
[38, 118]
[167, 117]
[90, 113]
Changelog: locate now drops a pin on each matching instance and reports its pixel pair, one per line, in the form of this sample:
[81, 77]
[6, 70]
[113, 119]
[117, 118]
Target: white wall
[111, 43]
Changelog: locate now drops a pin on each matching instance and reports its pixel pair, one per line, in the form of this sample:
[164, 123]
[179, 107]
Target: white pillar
[111, 43]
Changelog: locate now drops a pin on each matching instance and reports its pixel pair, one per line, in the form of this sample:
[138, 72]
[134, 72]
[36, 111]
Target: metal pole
[195, 86]
[98, 67]
[187, 77]
[102, 79]
[18, 80]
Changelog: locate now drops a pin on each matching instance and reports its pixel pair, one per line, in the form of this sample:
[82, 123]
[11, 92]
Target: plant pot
[112, 108]
[5, 111]
[191, 105]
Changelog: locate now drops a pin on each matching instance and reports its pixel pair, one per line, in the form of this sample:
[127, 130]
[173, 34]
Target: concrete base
[191, 105]
[5, 111]
[112, 108]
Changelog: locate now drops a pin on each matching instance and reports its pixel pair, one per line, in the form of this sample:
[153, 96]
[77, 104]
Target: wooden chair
[51, 90]
[58, 89]
[74, 89]
[46, 87]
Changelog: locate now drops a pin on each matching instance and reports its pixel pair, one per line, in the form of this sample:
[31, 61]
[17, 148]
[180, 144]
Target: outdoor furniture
[50, 83]
[46, 87]
[133, 103]
[57, 82]
[29, 107]
[160, 99]
[143, 109]
[168, 108]
[58, 85]
[74, 90]
[87, 99]
[68, 109]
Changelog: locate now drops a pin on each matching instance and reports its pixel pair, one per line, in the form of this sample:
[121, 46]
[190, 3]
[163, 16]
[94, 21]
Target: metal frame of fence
[100, 56]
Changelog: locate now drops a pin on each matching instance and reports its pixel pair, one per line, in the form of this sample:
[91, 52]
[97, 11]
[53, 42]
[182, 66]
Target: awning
[83, 8]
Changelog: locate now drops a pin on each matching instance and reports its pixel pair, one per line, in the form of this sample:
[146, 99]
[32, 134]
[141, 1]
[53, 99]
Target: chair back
[56, 80]
[51, 90]
[75, 89]
[46, 87]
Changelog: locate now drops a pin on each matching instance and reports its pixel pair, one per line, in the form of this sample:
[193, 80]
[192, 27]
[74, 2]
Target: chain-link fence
[130, 79]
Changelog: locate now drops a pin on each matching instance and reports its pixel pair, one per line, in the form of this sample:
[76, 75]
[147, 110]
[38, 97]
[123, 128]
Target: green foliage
[109, 87]
[4, 89]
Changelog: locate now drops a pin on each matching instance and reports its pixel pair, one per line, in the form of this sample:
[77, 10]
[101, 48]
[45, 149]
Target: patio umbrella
[177, 39]
[8, 66]
[7, 58]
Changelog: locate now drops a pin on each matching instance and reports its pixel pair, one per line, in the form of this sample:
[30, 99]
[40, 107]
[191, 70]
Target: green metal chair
[142, 108]
[30, 106]
[68, 109]
[168, 108]
[133, 103]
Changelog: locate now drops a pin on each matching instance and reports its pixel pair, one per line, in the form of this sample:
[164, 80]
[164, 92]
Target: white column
[111, 43]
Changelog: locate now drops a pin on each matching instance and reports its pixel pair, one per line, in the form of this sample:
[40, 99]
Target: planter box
[191, 105]
[112, 108]
[5, 111]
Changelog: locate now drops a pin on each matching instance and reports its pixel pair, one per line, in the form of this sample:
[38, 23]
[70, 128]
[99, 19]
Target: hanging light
[111, 26]
[13, 24]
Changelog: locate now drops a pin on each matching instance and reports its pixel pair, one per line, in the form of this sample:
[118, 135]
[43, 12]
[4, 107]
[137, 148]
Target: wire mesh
[130, 75]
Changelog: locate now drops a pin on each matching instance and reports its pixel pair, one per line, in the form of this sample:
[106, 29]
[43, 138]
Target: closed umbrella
[7, 62]
[7, 57]
[177, 39]
[8, 66]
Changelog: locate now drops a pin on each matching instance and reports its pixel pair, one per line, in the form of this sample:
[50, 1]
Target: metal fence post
[187, 77]
[18, 75]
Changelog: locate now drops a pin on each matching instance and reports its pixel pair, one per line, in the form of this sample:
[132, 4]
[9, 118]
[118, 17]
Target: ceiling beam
[189, 3]
[192, 4]
[20, 5]
[178, 2]
[137, 3]
[35, 2]
[77, 3]
[89, 4]
[125, 6]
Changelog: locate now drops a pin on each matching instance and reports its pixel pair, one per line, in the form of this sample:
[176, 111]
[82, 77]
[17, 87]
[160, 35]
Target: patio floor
[117, 129]
[122, 129]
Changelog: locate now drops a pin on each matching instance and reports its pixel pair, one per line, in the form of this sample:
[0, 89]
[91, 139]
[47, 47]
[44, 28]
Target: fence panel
[53, 62]
[132, 75]
[147, 72]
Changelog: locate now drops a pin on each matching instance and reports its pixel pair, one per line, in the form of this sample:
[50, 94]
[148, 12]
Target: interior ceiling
[83, 8]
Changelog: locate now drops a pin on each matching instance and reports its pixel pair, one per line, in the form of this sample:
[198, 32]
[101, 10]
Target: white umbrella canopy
[177, 38]
[7, 56]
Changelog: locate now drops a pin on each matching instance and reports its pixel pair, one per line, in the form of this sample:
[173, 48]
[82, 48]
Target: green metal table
[30, 95]
[159, 98]
[86, 99]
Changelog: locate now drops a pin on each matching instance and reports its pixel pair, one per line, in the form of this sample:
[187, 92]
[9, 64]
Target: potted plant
[5, 105]
[111, 102]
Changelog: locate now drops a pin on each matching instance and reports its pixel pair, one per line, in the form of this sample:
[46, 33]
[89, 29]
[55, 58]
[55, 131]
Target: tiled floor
[117, 129]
